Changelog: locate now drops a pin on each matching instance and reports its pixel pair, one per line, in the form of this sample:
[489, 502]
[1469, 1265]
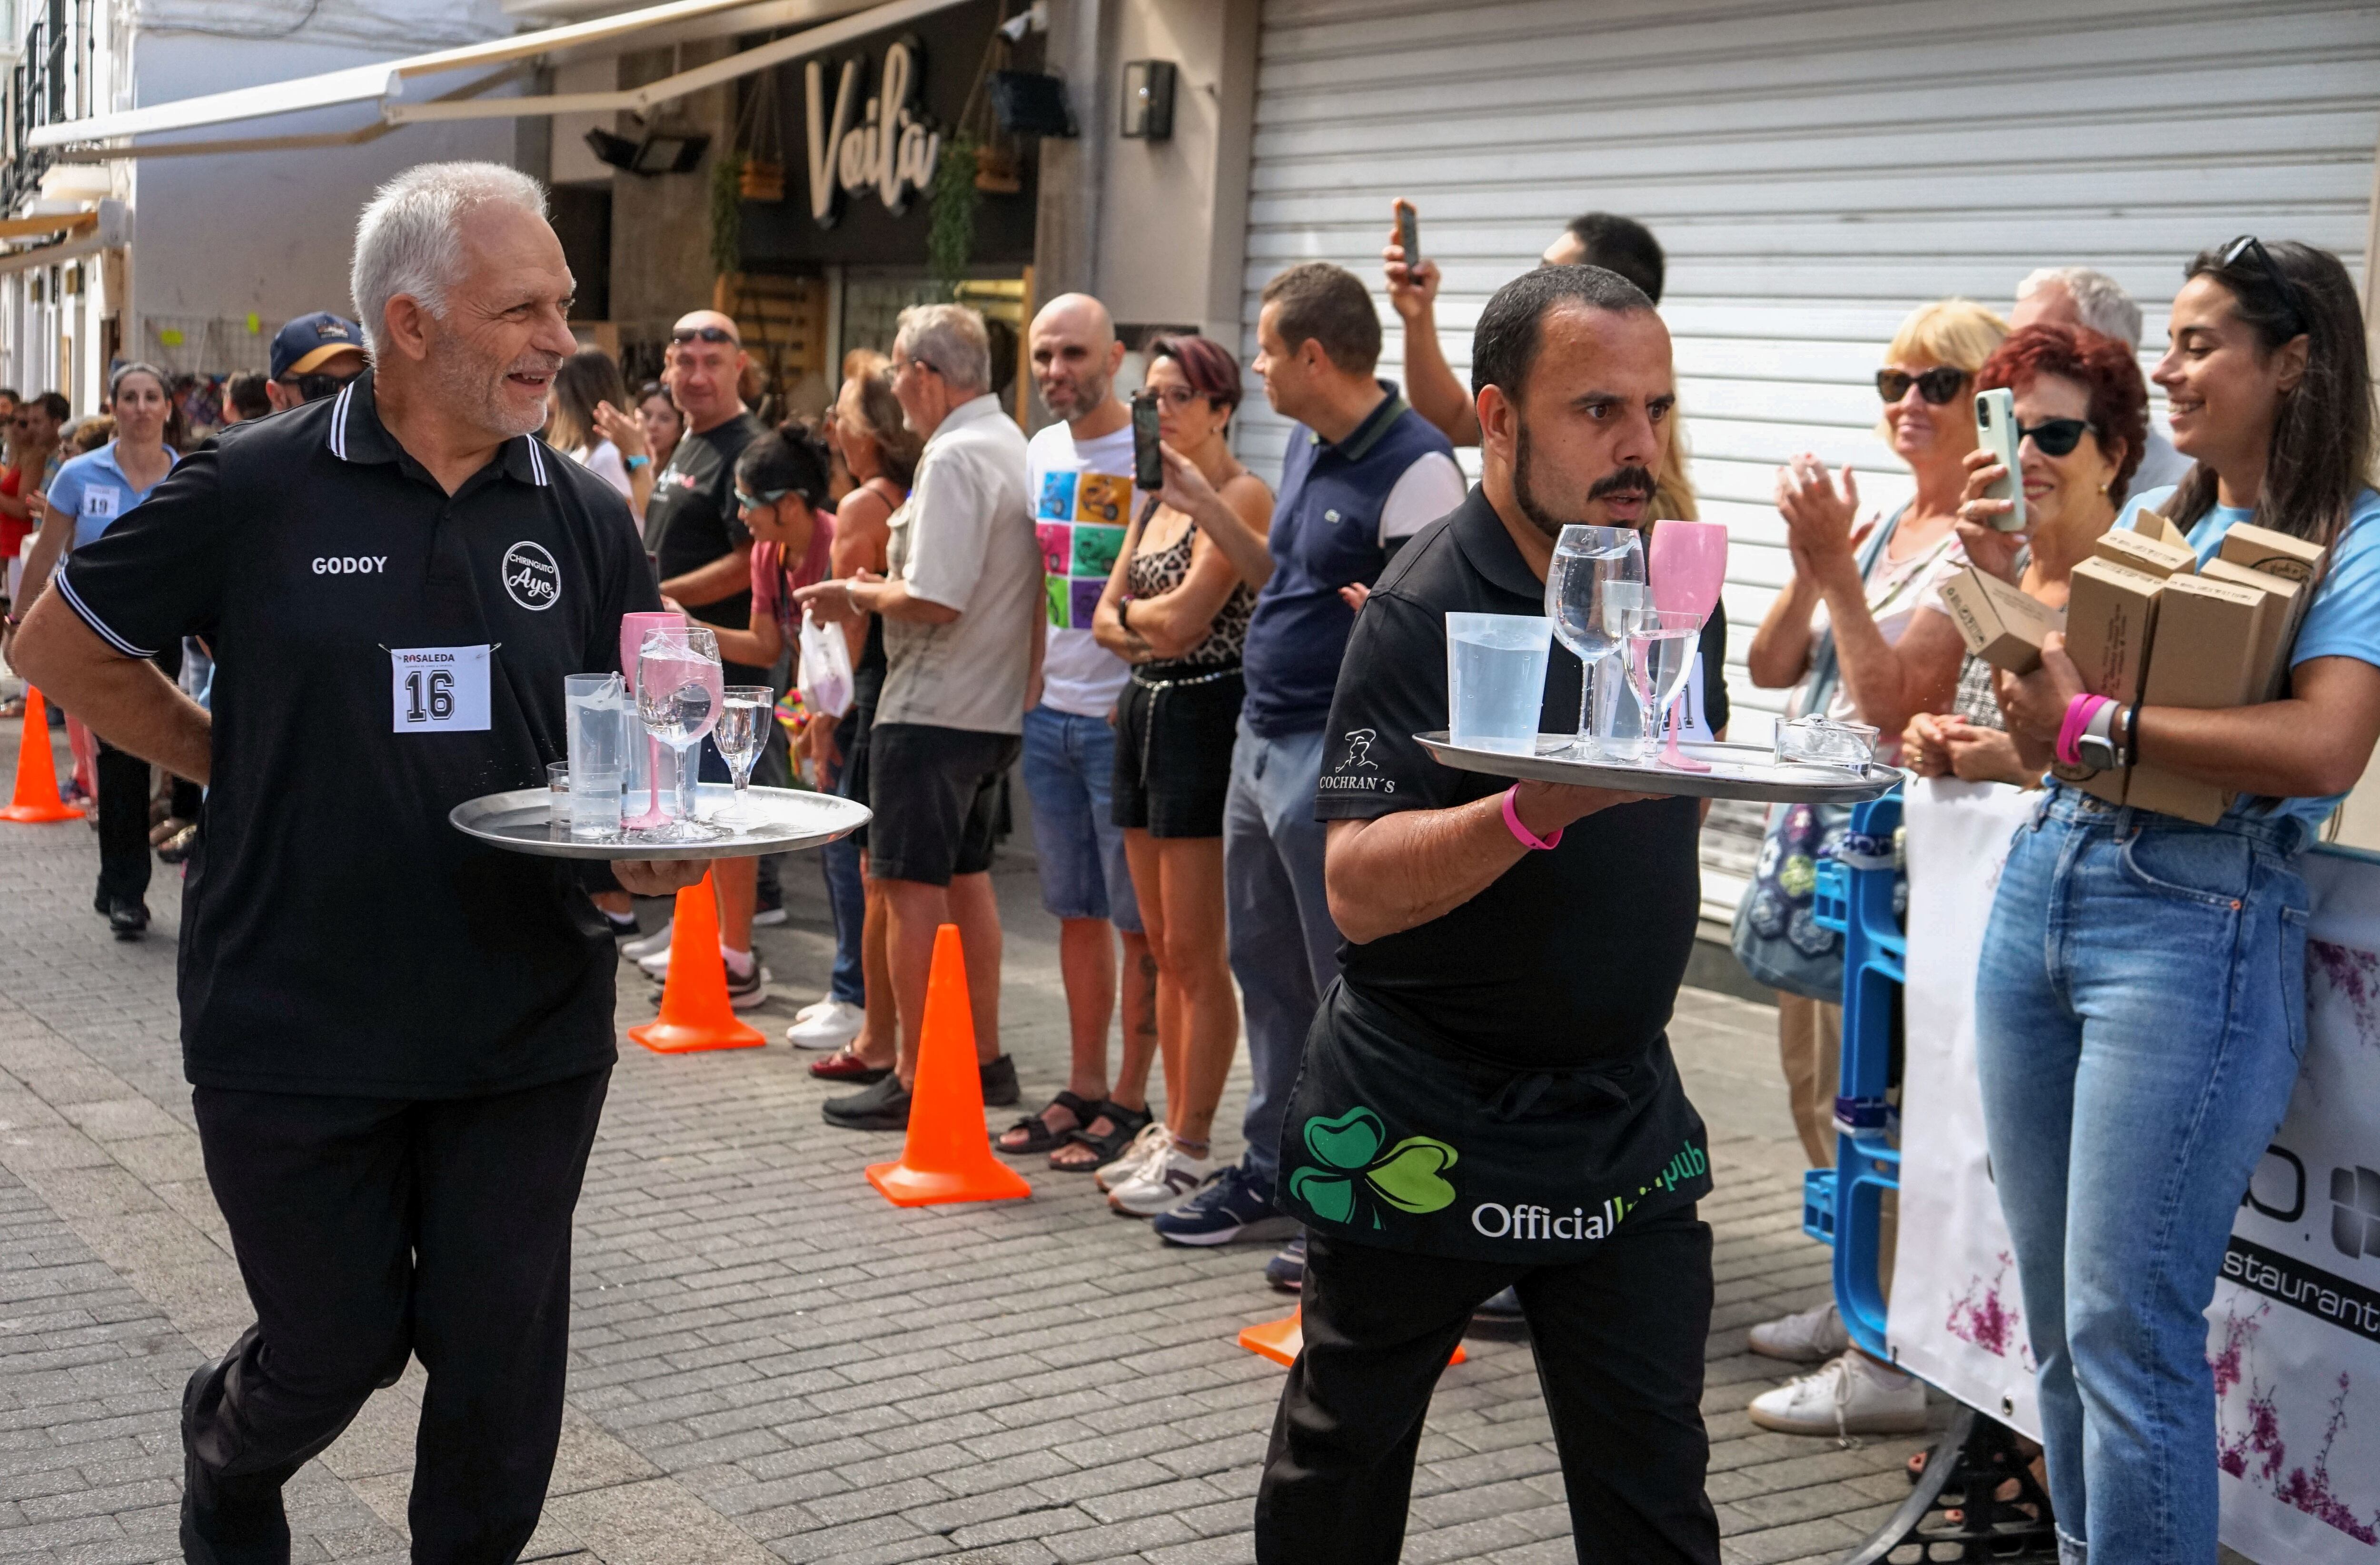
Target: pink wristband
[1527, 838]
[2079, 713]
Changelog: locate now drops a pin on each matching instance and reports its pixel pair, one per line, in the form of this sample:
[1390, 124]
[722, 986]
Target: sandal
[843, 1065]
[1039, 1135]
[1124, 1125]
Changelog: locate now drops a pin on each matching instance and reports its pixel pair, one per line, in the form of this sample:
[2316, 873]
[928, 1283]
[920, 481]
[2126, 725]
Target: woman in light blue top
[2140, 1005]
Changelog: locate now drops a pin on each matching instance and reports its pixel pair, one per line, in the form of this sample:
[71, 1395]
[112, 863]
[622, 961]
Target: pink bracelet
[1527, 838]
[2079, 713]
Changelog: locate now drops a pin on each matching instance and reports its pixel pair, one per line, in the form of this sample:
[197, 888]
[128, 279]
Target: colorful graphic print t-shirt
[1082, 499]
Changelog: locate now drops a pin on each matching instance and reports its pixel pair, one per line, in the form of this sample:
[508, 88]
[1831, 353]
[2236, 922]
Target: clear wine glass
[1595, 589]
[742, 735]
[680, 690]
[1661, 655]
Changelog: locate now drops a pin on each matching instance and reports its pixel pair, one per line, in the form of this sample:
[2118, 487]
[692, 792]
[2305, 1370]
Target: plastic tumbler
[596, 705]
[1496, 680]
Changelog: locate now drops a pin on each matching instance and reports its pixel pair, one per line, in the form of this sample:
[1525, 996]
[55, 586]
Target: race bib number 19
[440, 689]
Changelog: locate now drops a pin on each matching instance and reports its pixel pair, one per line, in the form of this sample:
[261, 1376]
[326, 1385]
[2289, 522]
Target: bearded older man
[395, 1091]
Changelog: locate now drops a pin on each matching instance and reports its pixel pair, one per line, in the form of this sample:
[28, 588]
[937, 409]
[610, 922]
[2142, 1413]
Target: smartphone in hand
[1148, 462]
[1996, 432]
[1409, 235]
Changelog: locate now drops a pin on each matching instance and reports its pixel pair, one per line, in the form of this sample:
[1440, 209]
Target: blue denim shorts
[1070, 775]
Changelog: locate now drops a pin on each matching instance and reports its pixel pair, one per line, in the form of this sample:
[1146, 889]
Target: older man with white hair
[2079, 295]
[962, 638]
[398, 1040]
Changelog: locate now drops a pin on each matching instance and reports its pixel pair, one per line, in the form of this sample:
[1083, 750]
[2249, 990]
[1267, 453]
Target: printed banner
[1080, 518]
[2294, 1331]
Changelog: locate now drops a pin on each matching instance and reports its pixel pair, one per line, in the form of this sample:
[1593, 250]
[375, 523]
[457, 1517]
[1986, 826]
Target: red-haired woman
[1176, 609]
[2083, 408]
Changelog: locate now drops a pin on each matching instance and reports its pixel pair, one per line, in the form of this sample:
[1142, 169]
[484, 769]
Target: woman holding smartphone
[2141, 1004]
[1176, 610]
[2081, 411]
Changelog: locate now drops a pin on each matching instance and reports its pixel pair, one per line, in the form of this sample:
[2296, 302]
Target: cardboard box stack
[2144, 624]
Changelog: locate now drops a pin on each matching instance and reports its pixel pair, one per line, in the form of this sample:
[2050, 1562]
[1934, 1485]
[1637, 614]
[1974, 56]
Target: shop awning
[384, 82]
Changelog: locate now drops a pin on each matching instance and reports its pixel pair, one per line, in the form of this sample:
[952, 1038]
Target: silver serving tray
[784, 819]
[1738, 771]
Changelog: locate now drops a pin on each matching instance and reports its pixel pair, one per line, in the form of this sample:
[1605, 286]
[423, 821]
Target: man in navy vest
[1362, 474]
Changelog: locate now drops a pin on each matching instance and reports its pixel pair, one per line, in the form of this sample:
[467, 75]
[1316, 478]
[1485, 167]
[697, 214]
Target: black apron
[1399, 1137]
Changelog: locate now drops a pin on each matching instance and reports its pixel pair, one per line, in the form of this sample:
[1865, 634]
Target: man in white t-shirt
[1079, 485]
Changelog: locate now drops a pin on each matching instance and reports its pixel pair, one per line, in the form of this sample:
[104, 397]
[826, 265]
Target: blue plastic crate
[1830, 899]
[1818, 1204]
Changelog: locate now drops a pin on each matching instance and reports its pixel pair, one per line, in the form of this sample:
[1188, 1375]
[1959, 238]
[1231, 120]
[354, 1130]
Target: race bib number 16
[440, 689]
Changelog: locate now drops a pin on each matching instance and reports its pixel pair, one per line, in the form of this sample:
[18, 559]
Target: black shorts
[1173, 749]
[936, 794]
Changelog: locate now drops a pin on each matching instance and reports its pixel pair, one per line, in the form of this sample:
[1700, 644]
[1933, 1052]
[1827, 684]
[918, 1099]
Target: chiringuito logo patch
[531, 577]
[1355, 1171]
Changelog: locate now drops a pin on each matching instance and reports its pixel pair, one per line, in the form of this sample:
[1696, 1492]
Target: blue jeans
[2140, 1013]
[1070, 778]
[847, 897]
[1285, 947]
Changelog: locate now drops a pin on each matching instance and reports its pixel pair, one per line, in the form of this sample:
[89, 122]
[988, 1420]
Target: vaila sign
[885, 144]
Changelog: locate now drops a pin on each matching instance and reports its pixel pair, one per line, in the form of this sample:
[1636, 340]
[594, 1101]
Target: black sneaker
[884, 1105]
[220, 1528]
[1286, 1272]
[1000, 1083]
[1232, 1203]
[127, 920]
[750, 990]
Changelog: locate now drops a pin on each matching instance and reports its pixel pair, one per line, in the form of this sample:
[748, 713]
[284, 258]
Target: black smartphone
[1148, 462]
[1408, 234]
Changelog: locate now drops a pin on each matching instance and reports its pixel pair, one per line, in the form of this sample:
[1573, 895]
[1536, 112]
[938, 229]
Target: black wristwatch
[2105, 743]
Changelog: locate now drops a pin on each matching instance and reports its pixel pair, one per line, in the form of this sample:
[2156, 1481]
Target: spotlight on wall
[659, 151]
[1149, 99]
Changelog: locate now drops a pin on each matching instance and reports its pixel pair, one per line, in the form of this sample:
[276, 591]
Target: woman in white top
[589, 423]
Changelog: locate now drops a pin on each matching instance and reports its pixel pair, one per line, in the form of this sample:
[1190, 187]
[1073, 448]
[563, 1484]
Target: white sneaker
[1164, 1183]
[655, 943]
[1152, 1141]
[1813, 1335]
[830, 1024]
[1852, 1395]
[815, 1007]
[655, 967]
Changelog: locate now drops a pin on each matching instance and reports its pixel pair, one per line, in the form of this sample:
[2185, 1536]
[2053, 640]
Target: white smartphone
[1996, 432]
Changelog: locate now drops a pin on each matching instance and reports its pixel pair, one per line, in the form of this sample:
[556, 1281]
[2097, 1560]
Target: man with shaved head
[1079, 481]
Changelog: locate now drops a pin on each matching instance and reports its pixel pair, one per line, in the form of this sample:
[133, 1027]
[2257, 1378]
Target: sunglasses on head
[1937, 386]
[2247, 246]
[704, 334]
[754, 502]
[2054, 437]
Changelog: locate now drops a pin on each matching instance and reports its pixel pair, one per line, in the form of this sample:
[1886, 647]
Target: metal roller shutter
[1812, 171]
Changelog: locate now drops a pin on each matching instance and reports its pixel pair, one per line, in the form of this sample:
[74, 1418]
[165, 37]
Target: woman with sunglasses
[2136, 1062]
[2081, 414]
[1847, 635]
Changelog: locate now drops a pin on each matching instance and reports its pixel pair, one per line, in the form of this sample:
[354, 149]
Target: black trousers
[369, 1230]
[123, 825]
[1619, 1338]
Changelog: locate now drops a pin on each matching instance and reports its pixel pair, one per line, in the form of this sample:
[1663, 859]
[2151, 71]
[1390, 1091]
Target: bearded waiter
[1488, 1097]
[398, 1040]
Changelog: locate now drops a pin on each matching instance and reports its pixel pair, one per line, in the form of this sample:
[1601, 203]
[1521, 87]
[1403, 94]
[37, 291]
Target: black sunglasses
[2249, 244]
[2054, 437]
[704, 334]
[1937, 386]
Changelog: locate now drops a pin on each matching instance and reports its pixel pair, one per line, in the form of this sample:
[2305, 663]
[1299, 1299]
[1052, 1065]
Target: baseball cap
[311, 341]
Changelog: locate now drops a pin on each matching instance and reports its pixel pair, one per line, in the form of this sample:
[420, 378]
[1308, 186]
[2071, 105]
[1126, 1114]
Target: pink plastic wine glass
[633, 628]
[1687, 564]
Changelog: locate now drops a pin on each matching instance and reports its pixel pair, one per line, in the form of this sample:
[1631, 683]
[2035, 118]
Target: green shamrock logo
[1408, 1177]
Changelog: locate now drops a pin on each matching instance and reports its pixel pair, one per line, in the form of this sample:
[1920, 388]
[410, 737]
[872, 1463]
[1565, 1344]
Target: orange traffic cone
[1281, 1340]
[695, 1013]
[37, 775]
[948, 1155]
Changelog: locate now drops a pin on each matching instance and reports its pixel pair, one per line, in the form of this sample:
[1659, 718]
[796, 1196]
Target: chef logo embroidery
[1359, 750]
[1356, 1172]
[531, 577]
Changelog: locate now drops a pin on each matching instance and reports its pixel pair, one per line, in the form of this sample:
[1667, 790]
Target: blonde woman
[1847, 635]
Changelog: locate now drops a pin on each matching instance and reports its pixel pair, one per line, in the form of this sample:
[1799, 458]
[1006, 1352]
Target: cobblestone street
[770, 1361]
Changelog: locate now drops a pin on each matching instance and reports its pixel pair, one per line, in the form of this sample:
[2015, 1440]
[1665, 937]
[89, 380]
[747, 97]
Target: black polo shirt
[1573, 955]
[692, 519]
[384, 652]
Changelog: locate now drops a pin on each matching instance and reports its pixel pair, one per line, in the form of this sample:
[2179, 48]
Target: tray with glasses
[1731, 770]
[749, 823]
